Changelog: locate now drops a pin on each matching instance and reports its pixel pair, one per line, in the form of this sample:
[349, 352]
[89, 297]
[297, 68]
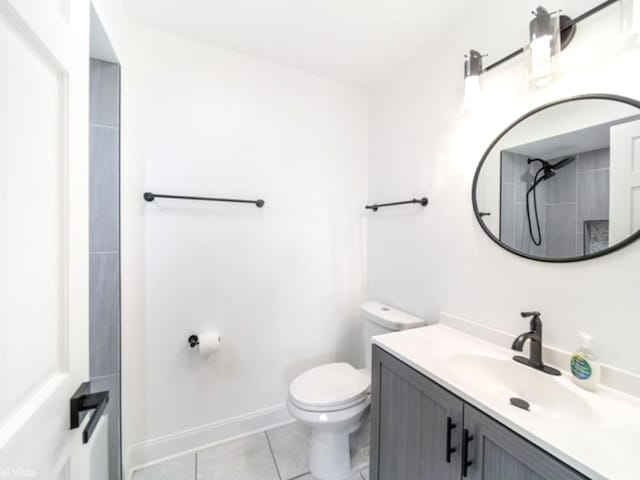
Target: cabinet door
[497, 453]
[409, 431]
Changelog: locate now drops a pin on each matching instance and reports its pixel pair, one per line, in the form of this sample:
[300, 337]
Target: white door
[43, 235]
[624, 195]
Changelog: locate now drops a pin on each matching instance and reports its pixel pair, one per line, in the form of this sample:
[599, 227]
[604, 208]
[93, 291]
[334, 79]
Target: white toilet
[334, 399]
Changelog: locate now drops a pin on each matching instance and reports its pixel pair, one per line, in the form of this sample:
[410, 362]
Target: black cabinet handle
[466, 463]
[81, 402]
[450, 428]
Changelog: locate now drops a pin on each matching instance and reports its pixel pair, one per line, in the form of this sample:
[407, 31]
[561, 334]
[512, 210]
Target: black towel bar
[423, 201]
[150, 197]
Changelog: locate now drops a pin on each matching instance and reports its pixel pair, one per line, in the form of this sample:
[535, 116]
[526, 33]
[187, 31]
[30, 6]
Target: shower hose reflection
[544, 173]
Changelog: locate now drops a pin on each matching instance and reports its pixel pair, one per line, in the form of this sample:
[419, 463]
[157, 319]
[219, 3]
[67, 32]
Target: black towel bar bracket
[150, 197]
[422, 201]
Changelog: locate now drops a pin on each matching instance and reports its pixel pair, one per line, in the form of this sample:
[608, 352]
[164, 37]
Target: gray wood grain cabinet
[418, 431]
[410, 420]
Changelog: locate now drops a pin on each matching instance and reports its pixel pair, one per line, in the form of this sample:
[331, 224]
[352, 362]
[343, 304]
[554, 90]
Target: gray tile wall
[579, 192]
[104, 261]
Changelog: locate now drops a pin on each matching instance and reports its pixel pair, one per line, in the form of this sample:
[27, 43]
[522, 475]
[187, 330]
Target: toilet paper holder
[207, 343]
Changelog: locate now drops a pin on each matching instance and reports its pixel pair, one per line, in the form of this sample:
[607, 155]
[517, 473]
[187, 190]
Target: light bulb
[472, 72]
[544, 43]
[541, 67]
[472, 92]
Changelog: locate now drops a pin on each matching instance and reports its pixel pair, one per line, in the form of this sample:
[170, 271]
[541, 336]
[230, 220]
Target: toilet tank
[379, 319]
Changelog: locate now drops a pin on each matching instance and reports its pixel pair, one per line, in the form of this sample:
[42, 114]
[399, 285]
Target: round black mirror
[562, 183]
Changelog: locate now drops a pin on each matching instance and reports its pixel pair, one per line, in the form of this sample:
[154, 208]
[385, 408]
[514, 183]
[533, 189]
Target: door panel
[497, 453]
[409, 430]
[43, 234]
[34, 260]
[625, 181]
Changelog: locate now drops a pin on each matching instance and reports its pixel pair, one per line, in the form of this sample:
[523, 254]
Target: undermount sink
[503, 379]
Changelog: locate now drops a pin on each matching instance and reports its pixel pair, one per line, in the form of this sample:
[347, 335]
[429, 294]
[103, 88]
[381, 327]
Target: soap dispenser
[585, 367]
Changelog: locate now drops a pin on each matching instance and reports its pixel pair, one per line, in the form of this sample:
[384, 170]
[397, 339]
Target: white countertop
[600, 437]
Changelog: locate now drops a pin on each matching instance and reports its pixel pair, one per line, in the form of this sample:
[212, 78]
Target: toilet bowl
[334, 399]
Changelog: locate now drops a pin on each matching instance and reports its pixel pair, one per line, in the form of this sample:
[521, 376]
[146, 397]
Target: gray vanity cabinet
[499, 454]
[410, 416]
[411, 419]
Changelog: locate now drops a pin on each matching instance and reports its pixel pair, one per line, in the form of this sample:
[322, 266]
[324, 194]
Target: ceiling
[594, 137]
[354, 41]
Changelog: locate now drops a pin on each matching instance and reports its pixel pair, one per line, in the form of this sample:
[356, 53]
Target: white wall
[283, 283]
[439, 259]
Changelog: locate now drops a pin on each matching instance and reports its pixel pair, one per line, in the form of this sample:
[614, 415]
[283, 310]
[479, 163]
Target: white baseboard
[158, 449]
[613, 377]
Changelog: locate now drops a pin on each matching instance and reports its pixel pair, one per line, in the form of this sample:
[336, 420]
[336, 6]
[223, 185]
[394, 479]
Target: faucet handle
[535, 324]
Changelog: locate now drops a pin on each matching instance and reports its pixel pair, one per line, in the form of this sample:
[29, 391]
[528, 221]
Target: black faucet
[535, 345]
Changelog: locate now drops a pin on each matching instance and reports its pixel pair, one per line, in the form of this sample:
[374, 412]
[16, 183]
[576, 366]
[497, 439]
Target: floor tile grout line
[273, 457]
[360, 474]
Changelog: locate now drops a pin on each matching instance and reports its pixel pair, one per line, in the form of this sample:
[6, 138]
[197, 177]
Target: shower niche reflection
[563, 182]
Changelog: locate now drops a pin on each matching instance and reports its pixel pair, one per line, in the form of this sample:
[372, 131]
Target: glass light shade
[631, 18]
[472, 89]
[544, 47]
[541, 68]
[472, 93]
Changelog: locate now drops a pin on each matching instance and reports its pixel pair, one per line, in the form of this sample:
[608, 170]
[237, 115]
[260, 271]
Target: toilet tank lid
[389, 317]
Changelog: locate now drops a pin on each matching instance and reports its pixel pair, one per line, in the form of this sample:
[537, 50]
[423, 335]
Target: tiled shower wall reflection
[104, 245]
[578, 192]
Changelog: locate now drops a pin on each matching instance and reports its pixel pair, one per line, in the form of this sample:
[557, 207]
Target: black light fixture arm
[150, 197]
[591, 12]
[422, 201]
[566, 26]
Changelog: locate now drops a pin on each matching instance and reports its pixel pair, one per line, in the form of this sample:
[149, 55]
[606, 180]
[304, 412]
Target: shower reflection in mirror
[544, 173]
[565, 181]
[547, 201]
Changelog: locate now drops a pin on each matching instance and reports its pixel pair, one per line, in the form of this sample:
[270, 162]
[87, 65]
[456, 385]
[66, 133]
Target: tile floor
[277, 454]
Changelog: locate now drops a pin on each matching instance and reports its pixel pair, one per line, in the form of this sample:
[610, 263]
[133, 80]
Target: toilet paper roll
[209, 343]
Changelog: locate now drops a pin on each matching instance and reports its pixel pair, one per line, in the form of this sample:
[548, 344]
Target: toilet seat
[329, 388]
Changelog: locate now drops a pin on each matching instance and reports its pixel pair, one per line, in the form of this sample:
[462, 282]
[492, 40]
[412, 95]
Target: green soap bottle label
[580, 367]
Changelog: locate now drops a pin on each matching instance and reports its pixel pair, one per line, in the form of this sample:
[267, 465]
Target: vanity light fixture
[472, 72]
[549, 33]
[544, 45]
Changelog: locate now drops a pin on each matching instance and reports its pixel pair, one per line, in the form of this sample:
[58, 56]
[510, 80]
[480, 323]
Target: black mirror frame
[618, 246]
